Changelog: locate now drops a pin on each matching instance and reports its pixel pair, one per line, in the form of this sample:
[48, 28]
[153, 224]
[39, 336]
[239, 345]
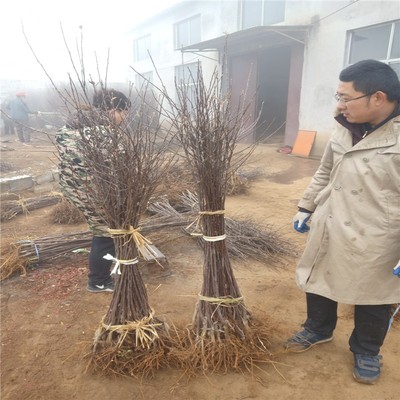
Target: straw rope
[145, 331]
[197, 229]
[222, 301]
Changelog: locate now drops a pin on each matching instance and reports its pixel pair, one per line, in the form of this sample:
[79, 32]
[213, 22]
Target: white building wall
[325, 55]
[325, 48]
[217, 18]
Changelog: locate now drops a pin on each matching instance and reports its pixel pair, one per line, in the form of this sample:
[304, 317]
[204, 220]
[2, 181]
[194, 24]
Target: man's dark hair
[111, 100]
[370, 76]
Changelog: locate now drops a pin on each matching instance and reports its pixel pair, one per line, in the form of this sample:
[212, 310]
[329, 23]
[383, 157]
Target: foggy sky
[103, 23]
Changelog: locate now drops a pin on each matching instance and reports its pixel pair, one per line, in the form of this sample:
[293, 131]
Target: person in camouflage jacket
[75, 179]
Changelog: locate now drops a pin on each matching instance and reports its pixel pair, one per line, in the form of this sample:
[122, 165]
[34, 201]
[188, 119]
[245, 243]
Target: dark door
[272, 99]
[243, 74]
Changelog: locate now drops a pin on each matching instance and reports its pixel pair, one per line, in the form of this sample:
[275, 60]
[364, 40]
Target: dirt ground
[47, 316]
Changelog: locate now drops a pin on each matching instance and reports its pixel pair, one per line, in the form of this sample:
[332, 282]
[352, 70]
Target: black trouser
[23, 132]
[8, 126]
[99, 268]
[371, 323]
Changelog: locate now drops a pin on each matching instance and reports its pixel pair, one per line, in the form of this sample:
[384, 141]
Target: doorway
[272, 98]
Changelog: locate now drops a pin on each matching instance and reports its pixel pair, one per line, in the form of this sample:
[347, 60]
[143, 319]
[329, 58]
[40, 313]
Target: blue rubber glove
[396, 270]
[300, 222]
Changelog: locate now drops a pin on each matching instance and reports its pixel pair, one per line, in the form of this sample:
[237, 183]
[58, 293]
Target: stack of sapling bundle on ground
[223, 335]
[246, 238]
[23, 254]
[180, 180]
[67, 213]
[11, 208]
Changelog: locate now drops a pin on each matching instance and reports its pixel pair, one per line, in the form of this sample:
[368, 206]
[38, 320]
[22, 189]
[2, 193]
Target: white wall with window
[186, 79]
[187, 32]
[341, 32]
[261, 12]
[380, 42]
[141, 48]
[339, 35]
[184, 24]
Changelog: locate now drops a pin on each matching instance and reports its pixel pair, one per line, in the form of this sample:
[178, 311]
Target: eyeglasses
[339, 98]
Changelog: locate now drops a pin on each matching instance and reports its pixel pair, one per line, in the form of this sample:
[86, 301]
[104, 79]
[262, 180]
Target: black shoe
[367, 369]
[304, 340]
[109, 287]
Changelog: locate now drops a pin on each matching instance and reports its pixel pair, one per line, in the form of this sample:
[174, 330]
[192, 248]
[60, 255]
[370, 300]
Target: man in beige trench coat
[353, 245]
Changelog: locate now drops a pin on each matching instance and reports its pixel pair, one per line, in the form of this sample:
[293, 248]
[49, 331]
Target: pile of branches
[221, 336]
[246, 239]
[19, 256]
[11, 261]
[180, 179]
[67, 213]
[10, 208]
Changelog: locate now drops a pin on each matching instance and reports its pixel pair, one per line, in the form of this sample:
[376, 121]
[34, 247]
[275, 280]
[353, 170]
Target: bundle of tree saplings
[126, 160]
[131, 339]
[222, 335]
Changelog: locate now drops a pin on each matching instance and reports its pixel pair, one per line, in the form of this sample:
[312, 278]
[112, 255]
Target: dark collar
[359, 131]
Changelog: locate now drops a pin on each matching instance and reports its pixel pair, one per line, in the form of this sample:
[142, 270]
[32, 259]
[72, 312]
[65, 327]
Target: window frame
[388, 60]
[138, 53]
[188, 78]
[192, 38]
[263, 20]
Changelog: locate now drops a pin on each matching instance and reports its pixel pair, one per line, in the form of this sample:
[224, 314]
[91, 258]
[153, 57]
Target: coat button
[347, 223]
[365, 159]
[354, 192]
[337, 187]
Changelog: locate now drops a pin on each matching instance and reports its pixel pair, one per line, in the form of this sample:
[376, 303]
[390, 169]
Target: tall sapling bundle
[209, 128]
[126, 165]
[122, 156]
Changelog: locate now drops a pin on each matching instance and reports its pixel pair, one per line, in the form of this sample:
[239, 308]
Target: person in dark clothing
[19, 113]
[5, 116]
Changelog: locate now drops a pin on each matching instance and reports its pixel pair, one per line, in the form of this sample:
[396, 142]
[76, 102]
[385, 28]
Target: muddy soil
[48, 318]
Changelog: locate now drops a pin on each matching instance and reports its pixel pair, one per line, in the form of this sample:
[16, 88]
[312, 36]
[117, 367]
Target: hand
[396, 270]
[299, 221]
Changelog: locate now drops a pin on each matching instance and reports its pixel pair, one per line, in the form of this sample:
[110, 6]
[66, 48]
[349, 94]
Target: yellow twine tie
[222, 301]
[197, 229]
[145, 330]
[22, 203]
[143, 244]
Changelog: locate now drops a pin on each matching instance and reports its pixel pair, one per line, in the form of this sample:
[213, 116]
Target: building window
[141, 48]
[187, 32]
[186, 79]
[379, 42]
[262, 12]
